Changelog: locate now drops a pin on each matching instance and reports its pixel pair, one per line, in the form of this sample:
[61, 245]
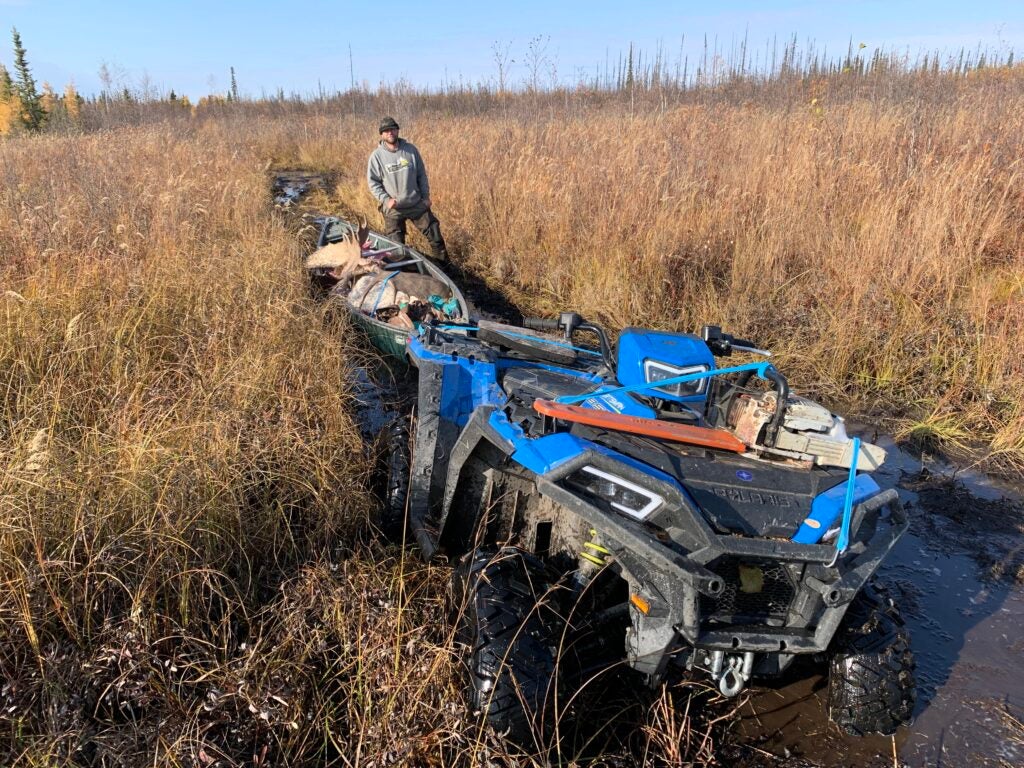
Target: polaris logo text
[753, 497]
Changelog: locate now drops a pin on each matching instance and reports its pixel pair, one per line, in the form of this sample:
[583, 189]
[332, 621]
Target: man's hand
[390, 203]
[426, 201]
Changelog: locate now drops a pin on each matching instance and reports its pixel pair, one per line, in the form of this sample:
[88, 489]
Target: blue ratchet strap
[380, 295]
[844, 530]
[760, 368]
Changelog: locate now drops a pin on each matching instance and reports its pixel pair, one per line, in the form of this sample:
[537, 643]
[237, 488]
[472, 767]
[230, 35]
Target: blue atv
[647, 509]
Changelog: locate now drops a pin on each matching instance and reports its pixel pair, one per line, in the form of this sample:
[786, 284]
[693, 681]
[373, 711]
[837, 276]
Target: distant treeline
[634, 81]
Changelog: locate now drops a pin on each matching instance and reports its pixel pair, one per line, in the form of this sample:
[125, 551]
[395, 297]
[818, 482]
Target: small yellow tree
[8, 114]
[48, 100]
[71, 103]
[8, 111]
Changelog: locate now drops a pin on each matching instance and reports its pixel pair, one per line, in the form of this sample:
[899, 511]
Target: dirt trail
[958, 574]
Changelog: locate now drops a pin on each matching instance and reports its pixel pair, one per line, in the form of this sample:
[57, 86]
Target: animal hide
[368, 292]
[409, 286]
[345, 257]
[421, 286]
[335, 255]
[402, 320]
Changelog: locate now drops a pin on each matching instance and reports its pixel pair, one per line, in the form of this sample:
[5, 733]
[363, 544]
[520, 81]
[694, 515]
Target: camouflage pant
[425, 221]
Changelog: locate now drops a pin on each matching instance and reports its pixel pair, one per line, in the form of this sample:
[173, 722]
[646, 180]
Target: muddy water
[958, 577]
[288, 187]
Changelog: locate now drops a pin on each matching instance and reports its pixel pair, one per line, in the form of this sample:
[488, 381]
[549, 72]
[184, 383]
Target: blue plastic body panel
[828, 506]
[620, 402]
[467, 383]
[679, 350]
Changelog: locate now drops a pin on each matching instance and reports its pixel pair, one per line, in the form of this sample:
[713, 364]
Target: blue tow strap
[844, 530]
[760, 368]
[380, 295]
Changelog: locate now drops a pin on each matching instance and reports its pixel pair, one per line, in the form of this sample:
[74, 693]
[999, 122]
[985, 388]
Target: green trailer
[387, 338]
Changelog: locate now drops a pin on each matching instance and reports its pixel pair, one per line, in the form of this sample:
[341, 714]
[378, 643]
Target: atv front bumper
[684, 585]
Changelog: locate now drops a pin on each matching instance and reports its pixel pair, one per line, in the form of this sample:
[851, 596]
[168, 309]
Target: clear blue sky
[189, 45]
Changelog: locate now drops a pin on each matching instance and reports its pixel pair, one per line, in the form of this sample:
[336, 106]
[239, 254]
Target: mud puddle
[289, 186]
[958, 575]
[383, 391]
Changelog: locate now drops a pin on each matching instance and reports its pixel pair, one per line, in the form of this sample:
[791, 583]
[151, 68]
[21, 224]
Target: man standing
[398, 179]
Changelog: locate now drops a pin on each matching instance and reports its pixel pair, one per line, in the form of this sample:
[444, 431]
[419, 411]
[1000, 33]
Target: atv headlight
[655, 371]
[621, 494]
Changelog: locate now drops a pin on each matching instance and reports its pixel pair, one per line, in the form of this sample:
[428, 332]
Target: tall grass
[182, 477]
[185, 572]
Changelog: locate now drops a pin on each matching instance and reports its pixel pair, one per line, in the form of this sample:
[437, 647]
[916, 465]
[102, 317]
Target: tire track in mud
[958, 576]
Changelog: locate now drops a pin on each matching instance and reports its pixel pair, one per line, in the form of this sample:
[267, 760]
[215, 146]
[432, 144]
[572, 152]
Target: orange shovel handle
[665, 430]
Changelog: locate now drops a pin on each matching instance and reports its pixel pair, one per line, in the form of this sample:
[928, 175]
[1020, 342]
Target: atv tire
[396, 458]
[871, 674]
[511, 637]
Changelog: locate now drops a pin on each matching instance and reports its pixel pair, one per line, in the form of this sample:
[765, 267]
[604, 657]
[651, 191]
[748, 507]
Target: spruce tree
[629, 69]
[8, 111]
[234, 86]
[6, 84]
[32, 114]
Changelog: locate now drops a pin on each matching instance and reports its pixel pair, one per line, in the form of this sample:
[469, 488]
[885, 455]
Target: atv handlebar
[569, 323]
[541, 324]
[719, 343]
[723, 344]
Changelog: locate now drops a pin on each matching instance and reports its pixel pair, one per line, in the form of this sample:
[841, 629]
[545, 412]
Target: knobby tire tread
[871, 675]
[396, 490]
[511, 642]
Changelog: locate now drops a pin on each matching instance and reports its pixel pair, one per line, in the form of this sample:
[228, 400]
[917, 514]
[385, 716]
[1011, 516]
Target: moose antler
[363, 232]
[340, 254]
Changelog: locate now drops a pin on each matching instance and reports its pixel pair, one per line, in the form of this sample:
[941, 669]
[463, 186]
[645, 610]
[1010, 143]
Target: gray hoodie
[400, 175]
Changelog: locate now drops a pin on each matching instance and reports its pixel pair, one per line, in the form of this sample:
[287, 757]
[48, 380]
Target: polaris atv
[646, 507]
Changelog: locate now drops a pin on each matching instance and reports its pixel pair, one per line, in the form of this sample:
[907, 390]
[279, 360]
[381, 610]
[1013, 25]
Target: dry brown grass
[183, 482]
